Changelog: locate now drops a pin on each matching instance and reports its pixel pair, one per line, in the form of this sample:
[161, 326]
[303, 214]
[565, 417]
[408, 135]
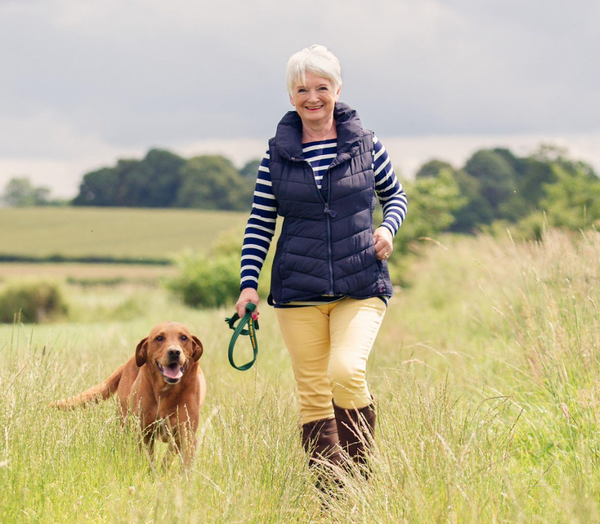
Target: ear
[141, 352]
[292, 101]
[337, 95]
[198, 349]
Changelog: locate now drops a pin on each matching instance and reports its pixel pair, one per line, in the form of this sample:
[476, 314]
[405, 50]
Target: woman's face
[315, 99]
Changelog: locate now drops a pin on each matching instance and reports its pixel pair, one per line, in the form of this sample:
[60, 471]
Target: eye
[301, 90]
[183, 337]
[159, 338]
[323, 88]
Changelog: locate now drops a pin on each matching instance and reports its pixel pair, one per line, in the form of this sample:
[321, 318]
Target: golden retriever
[162, 384]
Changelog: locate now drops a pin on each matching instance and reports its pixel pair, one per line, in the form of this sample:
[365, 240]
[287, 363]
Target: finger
[241, 308]
[384, 254]
[384, 247]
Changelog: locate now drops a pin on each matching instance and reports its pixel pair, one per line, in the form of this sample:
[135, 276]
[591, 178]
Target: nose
[313, 95]
[174, 353]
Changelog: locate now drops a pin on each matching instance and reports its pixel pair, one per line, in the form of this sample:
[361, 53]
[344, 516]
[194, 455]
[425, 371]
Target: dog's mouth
[171, 373]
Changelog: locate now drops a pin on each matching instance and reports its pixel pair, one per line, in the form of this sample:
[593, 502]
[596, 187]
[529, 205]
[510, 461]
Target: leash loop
[240, 330]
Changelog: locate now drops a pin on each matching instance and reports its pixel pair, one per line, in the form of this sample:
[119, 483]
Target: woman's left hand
[384, 243]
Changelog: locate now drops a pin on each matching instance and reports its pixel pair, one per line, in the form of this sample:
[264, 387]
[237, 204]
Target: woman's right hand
[246, 296]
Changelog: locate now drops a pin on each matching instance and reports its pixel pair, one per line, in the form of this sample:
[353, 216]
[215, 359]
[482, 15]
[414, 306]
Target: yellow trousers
[329, 346]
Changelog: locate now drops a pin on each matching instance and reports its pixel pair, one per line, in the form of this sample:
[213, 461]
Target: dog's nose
[174, 353]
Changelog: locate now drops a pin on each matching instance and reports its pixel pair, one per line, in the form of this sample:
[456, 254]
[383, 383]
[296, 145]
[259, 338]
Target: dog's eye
[159, 338]
[183, 337]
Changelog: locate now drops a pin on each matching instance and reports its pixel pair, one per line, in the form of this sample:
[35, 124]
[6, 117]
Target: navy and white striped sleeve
[260, 227]
[389, 189]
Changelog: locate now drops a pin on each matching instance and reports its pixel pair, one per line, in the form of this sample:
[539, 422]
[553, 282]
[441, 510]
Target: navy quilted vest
[326, 243]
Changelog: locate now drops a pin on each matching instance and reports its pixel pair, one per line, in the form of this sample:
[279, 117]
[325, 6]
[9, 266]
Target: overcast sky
[84, 82]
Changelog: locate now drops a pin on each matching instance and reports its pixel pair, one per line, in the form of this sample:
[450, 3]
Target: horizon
[408, 154]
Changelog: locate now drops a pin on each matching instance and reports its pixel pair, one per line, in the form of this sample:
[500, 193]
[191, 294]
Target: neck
[315, 132]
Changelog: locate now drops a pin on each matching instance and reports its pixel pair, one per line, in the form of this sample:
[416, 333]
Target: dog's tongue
[173, 372]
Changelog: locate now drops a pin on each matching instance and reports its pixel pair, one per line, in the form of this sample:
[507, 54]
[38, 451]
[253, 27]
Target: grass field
[132, 233]
[86, 272]
[485, 373]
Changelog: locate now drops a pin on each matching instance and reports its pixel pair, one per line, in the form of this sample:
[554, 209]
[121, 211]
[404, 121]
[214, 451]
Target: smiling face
[171, 348]
[314, 99]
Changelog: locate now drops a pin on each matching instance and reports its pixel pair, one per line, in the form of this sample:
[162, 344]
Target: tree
[153, 182]
[475, 210]
[100, 188]
[20, 192]
[433, 201]
[432, 168]
[537, 175]
[537, 172]
[250, 169]
[212, 182]
[496, 177]
[573, 201]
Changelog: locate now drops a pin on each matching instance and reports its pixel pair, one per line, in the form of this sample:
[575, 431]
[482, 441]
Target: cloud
[83, 83]
[142, 70]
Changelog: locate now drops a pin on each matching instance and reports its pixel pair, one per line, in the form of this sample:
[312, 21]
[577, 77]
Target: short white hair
[316, 59]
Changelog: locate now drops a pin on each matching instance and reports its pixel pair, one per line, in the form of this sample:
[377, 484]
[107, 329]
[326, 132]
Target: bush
[207, 281]
[32, 302]
[214, 280]
[432, 202]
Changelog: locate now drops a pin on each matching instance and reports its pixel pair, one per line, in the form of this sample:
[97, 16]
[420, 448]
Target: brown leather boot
[320, 440]
[356, 429]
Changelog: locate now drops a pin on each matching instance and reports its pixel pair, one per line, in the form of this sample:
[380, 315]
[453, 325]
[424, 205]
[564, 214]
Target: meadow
[145, 234]
[485, 374]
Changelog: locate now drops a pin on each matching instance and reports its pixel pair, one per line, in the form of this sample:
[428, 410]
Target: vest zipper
[330, 213]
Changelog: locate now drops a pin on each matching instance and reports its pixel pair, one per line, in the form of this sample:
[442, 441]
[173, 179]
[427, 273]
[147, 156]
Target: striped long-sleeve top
[263, 217]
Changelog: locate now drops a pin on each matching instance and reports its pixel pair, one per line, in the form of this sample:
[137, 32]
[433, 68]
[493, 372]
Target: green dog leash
[239, 330]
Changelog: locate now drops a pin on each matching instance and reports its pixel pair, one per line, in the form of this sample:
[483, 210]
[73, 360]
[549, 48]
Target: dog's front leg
[182, 441]
[187, 444]
[185, 434]
[147, 444]
[172, 450]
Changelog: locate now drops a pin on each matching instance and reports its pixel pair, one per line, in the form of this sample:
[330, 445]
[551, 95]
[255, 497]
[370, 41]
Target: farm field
[90, 272]
[485, 374]
[155, 234]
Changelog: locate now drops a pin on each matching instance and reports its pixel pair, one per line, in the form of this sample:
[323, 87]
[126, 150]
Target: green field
[485, 374]
[120, 233]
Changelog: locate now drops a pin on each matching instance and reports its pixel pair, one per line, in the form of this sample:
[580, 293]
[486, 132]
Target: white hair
[316, 59]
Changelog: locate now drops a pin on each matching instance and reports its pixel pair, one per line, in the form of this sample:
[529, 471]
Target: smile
[172, 373]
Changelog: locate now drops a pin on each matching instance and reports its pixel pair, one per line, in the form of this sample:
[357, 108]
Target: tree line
[494, 187]
[165, 180]
[161, 179]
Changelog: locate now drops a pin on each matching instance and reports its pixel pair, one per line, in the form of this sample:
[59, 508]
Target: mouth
[314, 108]
[171, 373]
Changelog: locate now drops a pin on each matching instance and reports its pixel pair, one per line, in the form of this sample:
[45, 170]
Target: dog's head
[171, 348]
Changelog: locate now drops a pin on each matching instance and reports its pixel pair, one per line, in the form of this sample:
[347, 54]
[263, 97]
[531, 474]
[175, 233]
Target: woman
[330, 282]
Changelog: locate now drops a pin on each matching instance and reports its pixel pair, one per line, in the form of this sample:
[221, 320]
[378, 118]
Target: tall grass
[485, 374]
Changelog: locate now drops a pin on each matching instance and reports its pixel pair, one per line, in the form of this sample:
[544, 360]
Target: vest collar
[288, 138]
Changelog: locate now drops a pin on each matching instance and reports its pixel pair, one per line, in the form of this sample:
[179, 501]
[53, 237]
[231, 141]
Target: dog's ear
[141, 352]
[198, 348]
